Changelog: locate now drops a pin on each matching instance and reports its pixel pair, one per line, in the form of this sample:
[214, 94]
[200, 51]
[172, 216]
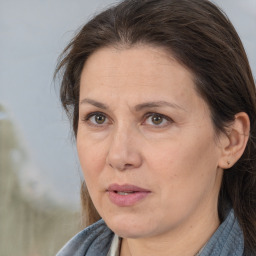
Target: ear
[234, 142]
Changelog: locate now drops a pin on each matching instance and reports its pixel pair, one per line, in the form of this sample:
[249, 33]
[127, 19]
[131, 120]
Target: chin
[130, 227]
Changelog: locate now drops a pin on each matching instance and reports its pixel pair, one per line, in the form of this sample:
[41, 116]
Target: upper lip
[125, 188]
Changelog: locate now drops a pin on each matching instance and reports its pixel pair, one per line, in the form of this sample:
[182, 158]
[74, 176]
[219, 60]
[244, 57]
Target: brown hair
[200, 36]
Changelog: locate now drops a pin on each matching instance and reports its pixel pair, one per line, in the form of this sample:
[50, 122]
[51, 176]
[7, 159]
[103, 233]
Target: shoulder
[94, 240]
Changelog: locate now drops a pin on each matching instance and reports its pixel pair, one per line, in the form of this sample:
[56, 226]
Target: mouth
[126, 195]
[126, 189]
[122, 193]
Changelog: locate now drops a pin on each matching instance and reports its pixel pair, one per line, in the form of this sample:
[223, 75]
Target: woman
[163, 106]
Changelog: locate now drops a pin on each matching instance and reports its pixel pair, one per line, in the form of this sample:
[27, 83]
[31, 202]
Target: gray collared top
[96, 240]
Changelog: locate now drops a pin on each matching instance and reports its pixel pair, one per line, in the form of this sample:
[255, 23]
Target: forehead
[136, 65]
[135, 75]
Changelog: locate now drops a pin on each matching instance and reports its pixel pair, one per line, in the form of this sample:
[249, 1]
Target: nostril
[121, 167]
[127, 165]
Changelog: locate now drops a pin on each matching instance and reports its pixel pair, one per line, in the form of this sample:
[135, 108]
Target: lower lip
[127, 200]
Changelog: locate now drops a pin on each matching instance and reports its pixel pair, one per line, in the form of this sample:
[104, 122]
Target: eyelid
[89, 115]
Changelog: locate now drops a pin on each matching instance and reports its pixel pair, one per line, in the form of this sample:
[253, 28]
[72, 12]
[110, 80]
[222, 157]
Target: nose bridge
[123, 148]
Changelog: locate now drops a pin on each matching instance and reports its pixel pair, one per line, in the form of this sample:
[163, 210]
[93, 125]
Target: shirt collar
[114, 249]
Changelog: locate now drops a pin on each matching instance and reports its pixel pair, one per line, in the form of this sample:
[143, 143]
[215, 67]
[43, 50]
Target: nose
[124, 150]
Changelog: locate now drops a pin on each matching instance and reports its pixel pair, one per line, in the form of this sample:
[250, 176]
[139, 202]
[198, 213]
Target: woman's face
[146, 142]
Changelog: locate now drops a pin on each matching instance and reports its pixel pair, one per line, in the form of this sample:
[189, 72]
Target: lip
[131, 194]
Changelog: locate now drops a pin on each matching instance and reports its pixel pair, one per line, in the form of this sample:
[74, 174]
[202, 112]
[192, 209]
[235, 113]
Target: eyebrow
[94, 103]
[157, 104]
[139, 107]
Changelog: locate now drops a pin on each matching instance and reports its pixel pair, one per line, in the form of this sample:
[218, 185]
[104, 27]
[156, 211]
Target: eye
[96, 119]
[158, 120]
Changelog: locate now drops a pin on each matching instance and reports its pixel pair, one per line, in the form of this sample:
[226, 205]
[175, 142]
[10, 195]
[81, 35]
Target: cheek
[183, 177]
[92, 158]
[184, 162]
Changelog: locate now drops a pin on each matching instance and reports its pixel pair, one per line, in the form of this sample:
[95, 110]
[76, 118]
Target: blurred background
[39, 171]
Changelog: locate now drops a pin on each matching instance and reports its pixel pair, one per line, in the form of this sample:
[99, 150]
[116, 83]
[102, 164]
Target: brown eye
[96, 119]
[99, 119]
[157, 119]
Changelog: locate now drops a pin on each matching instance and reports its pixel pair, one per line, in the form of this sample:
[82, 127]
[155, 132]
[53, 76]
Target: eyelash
[145, 117]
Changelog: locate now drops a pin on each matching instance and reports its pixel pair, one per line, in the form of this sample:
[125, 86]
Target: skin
[176, 158]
